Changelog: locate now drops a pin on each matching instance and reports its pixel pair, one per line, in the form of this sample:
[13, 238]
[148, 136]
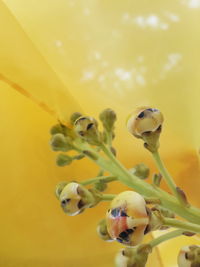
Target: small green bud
[141, 171]
[59, 143]
[157, 179]
[74, 117]
[108, 118]
[58, 128]
[63, 160]
[103, 232]
[100, 186]
[182, 197]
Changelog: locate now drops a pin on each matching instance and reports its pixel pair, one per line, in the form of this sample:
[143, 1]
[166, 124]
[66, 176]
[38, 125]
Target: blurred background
[62, 56]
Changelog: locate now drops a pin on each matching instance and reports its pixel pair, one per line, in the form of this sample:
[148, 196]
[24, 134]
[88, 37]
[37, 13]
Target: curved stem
[165, 237]
[169, 180]
[187, 226]
[107, 197]
[104, 179]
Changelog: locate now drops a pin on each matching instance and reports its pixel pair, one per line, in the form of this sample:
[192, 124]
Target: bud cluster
[130, 215]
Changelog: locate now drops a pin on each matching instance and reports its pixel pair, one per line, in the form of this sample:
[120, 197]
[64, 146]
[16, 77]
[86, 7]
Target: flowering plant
[131, 214]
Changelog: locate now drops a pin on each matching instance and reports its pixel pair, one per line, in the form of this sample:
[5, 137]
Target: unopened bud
[108, 118]
[100, 186]
[63, 160]
[87, 129]
[146, 123]
[59, 143]
[140, 170]
[157, 179]
[75, 198]
[127, 218]
[58, 128]
[189, 256]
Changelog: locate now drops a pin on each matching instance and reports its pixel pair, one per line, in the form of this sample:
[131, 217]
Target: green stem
[109, 138]
[107, 197]
[113, 166]
[169, 180]
[105, 179]
[165, 237]
[187, 226]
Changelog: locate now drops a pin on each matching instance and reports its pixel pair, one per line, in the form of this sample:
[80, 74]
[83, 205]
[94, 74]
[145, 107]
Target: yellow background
[70, 56]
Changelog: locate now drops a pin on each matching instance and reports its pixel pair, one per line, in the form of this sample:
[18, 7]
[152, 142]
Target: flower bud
[133, 257]
[59, 143]
[58, 128]
[103, 232]
[144, 120]
[189, 256]
[140, 170]
[75, 198]
[63, 160]
[108, 118]
[100, 186]
[86, 128]
[146, 123]
[127, 218]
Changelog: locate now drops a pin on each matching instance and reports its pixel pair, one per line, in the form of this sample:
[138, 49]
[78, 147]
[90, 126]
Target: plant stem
[109, 138]
[187, 226]
[113, 166]
[105, 179]
[165, 237]
[107, 197]
[169, 180]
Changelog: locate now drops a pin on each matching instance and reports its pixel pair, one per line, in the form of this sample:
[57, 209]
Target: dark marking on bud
[141, 115]
[150, 109]
[90, 125]
[147, 229]
[159, 129]
[124, 236]
[81, 204]
[65, 201]
[130, 231]
[115, 212]
[81, 133]
[123, 214]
